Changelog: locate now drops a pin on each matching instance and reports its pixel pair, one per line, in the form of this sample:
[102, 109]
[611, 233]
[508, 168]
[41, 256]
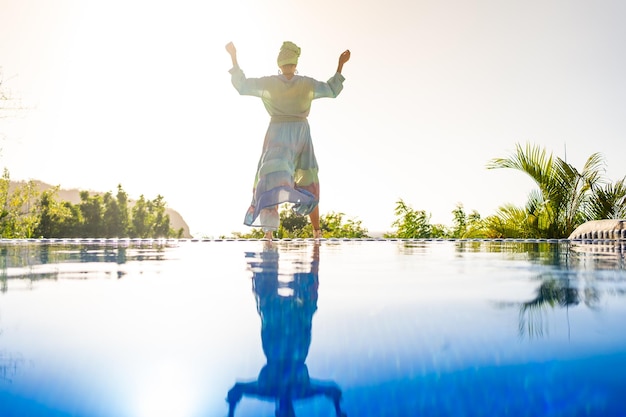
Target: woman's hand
[230, 48]
[343, 58]
[232, 51]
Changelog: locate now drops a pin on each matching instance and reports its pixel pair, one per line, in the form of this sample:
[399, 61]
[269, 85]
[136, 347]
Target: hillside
[73, 196]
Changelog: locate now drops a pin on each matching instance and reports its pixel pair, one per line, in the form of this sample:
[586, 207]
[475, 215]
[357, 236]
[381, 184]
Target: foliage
[509, 221]
[410, 223]
[27, 213]
[608, 202]
[55, 216]
[334, 226]
[415, 224]
[254, 233]
[565, 197]
[149, 218]
[92, 213]
[293, 226]
[18, 208]
[466, 226]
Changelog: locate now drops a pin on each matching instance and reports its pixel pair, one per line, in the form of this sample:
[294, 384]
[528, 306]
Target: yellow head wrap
[288, 54]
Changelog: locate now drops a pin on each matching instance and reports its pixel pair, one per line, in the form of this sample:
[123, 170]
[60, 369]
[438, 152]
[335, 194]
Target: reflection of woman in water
[286, 308]
[287, 169]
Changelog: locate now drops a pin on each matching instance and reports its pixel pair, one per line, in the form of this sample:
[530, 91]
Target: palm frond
[566, 197]
[608, 202]
[531, 160]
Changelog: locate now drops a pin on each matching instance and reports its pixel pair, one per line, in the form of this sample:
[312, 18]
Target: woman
[287, 169]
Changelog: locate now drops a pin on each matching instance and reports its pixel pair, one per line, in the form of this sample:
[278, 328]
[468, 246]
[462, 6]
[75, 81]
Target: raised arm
[232, 51]
[343, 58]
[245, 86]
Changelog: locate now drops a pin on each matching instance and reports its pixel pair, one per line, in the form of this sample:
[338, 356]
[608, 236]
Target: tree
[122, 203]
[608, 202]
[294, 226]
[4, 194]
[54, 216]
[70, 226]
[159, 219]
[333, 226]
[25, 212]
[112, 217]
[140, 219]
[411, 223]
[561, 201]
[149, 219]
[459, 221]
[19, 211]
[467, 226]
[254, 233]
[510, 221]
[92, 212]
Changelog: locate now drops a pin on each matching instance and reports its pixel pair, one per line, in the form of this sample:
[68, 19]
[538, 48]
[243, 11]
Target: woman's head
[289, 54]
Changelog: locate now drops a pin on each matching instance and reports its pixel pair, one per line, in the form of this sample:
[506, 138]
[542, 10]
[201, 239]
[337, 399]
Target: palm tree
[562, 199]
[608, 202]
[510, 221]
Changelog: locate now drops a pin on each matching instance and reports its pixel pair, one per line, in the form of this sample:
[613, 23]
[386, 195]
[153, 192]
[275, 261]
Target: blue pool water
[361, 328]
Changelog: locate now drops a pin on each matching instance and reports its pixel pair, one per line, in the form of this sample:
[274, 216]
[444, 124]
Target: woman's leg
[315, 218]
[315, 222]
[270, 220]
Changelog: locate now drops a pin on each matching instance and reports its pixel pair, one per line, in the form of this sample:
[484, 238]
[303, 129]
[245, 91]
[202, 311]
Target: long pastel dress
[287, 171]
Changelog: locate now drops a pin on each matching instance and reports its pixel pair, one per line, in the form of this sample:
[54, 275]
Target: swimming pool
[361, 327]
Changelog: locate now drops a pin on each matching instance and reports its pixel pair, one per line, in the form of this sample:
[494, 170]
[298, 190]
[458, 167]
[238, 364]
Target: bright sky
[137, 93]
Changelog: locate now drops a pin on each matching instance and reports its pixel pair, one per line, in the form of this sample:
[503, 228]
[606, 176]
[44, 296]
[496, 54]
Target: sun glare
[167, 392]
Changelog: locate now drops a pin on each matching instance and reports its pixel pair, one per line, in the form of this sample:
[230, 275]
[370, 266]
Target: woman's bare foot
[317, 234]
[268, 235]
